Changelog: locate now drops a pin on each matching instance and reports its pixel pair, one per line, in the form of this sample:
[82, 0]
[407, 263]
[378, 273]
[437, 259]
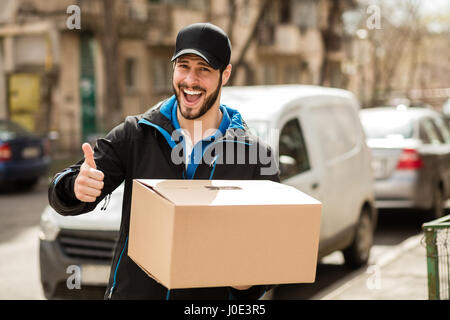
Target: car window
[430, 132]
[337, 129]
[443, 129]
[8, 126]
[447, 122]
[423, 134]
[387, 124]
[292, 150]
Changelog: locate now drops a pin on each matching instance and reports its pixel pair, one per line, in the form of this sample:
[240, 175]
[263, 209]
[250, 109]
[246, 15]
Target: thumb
[88, 155]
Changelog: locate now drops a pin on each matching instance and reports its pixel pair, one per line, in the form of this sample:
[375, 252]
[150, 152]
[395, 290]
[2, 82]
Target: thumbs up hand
[89, 182]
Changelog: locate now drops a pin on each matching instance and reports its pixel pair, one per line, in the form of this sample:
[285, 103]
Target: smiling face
[197, 86]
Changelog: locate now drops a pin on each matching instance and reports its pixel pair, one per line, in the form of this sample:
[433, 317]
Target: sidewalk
[400, 274]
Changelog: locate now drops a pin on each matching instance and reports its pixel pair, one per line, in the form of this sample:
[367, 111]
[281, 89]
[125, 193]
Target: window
[162, 75]
[423, 135]
[443, 129]
[291, 74]
[304, 14]
[285, 11]
[270, 73]
[292, 150]
[386, 124]
[429, 133]
[130, 73]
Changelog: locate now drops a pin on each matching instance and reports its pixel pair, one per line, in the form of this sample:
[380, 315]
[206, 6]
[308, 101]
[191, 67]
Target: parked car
[411, 157]
[322, 152]
[24, 157]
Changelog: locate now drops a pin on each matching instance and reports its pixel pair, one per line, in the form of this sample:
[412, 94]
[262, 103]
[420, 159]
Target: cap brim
[210, 60]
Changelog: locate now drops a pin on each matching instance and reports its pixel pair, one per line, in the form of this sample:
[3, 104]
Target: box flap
[227, 192]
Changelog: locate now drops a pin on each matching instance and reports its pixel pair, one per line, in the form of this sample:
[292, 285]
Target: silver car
[410, 157]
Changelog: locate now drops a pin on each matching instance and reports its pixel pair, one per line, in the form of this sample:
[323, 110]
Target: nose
[191, 78]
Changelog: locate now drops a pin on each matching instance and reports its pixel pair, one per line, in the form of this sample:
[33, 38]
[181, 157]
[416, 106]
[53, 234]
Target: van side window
[293, 153]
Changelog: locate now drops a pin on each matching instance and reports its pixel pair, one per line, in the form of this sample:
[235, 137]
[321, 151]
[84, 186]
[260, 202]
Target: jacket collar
[163, 115]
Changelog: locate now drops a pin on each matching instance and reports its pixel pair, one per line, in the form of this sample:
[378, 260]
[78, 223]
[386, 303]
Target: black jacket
[144, 146]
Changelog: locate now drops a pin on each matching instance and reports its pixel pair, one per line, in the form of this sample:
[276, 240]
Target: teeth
[192, 92]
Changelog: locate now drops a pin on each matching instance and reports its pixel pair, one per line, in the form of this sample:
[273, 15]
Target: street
[19, 246]
[19, 262]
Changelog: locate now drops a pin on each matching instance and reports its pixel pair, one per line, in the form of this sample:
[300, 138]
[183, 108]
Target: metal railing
[437, 240]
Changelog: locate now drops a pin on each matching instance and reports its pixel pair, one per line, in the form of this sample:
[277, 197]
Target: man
[188, 136]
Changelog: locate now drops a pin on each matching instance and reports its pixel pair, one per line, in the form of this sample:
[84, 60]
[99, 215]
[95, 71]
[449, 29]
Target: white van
[322, 151]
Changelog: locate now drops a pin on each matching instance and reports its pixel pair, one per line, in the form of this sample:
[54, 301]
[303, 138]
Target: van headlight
[48, 228]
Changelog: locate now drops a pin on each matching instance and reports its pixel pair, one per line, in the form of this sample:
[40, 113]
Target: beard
[207, 105]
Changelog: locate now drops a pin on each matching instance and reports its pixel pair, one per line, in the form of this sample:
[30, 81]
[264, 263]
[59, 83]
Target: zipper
[105, 204]
[213, 169]
[213, 163]
[116, 269]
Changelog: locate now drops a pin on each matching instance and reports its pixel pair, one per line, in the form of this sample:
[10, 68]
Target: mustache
[195, 88]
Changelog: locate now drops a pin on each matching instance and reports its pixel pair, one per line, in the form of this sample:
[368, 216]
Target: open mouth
[191, 96]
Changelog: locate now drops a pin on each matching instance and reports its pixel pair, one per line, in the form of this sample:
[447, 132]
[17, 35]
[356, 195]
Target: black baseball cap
[205, 40]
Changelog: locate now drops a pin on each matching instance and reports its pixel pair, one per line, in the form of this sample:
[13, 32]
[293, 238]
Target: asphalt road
[19, 260]
[19, 246]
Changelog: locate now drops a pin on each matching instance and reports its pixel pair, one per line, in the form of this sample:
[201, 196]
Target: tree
[332, 36]
[110, 41]
[239, 62]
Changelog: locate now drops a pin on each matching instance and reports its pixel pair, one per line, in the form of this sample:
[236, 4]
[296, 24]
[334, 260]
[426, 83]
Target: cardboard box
[208, 233]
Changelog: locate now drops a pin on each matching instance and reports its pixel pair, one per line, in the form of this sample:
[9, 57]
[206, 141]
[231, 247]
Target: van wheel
[357, 254]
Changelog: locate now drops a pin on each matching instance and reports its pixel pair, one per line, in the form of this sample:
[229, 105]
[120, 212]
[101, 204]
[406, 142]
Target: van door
[297, 167]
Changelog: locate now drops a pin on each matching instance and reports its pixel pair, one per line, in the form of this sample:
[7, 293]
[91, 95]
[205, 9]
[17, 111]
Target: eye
[205, 69]
[182, 65]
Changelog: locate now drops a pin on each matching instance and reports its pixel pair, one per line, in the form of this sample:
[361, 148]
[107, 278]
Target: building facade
[80, 82]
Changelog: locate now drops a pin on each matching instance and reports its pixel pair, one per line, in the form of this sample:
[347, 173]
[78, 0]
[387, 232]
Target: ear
[226, 74]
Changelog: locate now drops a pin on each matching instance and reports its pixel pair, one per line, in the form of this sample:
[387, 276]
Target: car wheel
[357, 254]
[437, 211]
[27, 184]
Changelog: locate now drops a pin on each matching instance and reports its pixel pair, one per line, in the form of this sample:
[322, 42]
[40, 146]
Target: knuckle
[82, 179]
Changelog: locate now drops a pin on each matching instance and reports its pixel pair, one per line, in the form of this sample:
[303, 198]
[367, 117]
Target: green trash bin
[437, 239]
